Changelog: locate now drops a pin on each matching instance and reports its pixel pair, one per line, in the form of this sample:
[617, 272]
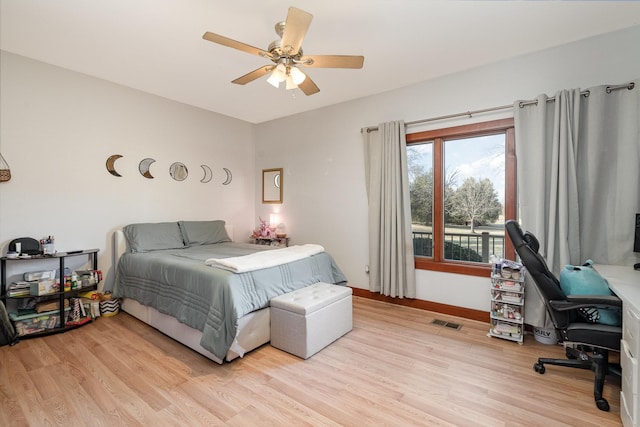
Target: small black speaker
[636, 240]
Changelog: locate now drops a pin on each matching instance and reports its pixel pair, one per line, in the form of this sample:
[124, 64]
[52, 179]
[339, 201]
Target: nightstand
[281, 242]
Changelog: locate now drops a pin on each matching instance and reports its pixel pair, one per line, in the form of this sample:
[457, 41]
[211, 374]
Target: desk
[625, 282]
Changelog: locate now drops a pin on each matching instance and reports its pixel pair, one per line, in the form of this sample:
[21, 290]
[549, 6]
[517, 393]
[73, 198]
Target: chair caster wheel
[538, 367]
[602, 404]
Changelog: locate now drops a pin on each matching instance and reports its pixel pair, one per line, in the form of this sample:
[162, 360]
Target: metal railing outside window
[461, 246]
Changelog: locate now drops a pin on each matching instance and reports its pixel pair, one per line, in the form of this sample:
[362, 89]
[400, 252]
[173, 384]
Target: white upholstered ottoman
[306, 320]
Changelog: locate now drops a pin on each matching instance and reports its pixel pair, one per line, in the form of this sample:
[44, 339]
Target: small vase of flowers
[263, 231]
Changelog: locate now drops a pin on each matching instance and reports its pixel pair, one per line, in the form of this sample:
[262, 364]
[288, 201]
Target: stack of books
[19, 289]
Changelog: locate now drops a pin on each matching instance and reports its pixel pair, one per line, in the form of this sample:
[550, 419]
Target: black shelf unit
[92, 254]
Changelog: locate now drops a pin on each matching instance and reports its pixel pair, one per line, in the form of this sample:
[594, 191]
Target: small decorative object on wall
[5, 171]
[272, 185]
[229, 177]
[144, 166]
[207, 174]
[110, 164]
[178, 171]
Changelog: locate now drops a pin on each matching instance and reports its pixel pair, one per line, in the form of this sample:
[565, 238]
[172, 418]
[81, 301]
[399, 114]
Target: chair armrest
[608, 300]
[586, 301]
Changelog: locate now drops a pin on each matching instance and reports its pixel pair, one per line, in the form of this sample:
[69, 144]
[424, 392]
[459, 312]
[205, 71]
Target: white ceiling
[156, 45]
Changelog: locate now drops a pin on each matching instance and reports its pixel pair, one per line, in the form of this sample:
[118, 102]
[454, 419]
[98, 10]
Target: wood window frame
[438, 136]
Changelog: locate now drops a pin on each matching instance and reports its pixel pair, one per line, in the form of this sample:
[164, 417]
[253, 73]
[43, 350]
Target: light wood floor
[395, 368]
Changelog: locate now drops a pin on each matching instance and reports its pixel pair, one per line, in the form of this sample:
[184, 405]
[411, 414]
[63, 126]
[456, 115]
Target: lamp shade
[297, 75]
[290, 83]
[279, 74]
[273, 80]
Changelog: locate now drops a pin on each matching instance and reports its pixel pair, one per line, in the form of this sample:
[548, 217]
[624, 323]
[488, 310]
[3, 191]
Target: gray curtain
[579, 177]
[546, 145]
[391, 261]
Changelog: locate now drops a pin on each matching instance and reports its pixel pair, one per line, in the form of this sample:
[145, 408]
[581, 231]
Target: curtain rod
[584, 93]
[450, 116]
[522, 104]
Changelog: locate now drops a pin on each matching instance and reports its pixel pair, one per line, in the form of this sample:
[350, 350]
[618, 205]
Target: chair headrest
[531, 241]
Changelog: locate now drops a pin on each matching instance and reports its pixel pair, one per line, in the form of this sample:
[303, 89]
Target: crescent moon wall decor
[110, 164]
[229, 177]
[207, 174]
[144, 166]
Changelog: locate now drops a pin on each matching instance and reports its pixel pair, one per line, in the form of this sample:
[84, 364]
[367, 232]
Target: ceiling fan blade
[255, 74]
[308, 86]
[295, 29]
[225, 41]
[332, 61]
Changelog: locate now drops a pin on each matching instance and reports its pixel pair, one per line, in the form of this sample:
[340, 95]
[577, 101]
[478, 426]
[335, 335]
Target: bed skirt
[253, 329]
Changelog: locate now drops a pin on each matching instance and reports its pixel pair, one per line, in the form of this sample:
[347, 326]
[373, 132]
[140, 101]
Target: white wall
[322, 156]
[57, 129]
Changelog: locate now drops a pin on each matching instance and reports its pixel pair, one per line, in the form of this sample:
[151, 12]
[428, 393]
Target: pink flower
[263, 230]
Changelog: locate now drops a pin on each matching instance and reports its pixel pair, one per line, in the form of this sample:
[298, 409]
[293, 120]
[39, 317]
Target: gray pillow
[203, 232]
[147, 237]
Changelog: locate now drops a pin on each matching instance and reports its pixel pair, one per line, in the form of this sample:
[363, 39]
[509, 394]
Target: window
[462, 189]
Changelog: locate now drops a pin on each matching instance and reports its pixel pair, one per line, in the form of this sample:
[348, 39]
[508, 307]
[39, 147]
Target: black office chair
[590, 343]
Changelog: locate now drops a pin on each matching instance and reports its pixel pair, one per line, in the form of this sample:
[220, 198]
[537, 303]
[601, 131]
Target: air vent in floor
[446, 324]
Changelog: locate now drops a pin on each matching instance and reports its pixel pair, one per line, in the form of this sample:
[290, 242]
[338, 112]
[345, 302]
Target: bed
[173, 276]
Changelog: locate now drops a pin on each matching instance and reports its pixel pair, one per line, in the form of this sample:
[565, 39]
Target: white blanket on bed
[265, 259]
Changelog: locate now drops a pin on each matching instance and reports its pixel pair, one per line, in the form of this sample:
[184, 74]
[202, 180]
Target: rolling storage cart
[507, 301]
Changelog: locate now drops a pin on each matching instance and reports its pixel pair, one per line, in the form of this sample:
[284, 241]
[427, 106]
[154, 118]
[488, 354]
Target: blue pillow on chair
[584, 280]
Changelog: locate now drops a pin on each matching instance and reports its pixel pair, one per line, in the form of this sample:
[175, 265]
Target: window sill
[480, 270]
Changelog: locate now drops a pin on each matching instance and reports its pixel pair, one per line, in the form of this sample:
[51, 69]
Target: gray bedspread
[178, 283]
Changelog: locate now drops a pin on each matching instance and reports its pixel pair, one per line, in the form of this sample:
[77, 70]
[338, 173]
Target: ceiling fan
[286, 55]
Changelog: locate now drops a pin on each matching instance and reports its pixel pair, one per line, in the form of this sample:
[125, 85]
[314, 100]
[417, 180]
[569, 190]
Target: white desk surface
[623, 280]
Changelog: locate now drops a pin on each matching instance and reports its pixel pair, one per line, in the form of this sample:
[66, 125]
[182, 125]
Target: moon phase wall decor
[110, 164]
[229, 177]
[178, 171]
[207, 174]
[144, 166]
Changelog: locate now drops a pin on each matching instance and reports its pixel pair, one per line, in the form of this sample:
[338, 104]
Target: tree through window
[462, 189]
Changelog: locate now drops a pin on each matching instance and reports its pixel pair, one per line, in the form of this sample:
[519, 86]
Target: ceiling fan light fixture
[273, 81]
[286, 53]
[291, 83]
[278, 75]
[297, 75]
